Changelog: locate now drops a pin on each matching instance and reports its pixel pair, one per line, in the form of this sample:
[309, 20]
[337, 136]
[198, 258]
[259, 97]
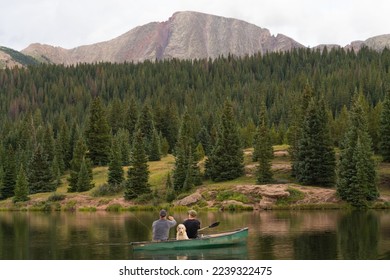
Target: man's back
[161, 229]
[192, 226]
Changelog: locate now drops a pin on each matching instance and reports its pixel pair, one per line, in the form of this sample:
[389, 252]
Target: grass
[219, 191]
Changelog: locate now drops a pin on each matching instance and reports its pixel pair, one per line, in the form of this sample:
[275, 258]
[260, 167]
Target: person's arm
[171, 221]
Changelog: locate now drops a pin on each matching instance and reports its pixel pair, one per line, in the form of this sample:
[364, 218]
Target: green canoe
[206, 241]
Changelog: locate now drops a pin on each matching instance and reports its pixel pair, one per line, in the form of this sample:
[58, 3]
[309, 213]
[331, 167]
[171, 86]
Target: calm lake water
[273, 235]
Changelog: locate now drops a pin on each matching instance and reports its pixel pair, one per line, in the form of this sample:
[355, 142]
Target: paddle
[210, 226]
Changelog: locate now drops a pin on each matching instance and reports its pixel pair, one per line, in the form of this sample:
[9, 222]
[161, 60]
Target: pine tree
[56, 170]
[138, 172]
[295, 129]
[9, 174]
[204, 138]
[263, 151]
[48, 144]
[84, 179]
[63, 148]
[385, 129]
[21, 188]
[226, 161]
[131, 118]
[79, 154]
[170, 192]
[315, 158]
[39, 175]
[115, 170]
[199, 152]
[186, 173]
[356, 174]
[155, 147]
[98, 134]
[146, 125]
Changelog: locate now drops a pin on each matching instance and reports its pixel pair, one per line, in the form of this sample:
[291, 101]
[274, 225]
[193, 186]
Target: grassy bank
[223, 195]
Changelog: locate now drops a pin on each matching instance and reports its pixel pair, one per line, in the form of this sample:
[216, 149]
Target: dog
[181, 233]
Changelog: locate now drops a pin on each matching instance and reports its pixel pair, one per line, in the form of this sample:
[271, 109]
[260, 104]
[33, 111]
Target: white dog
[181, 233]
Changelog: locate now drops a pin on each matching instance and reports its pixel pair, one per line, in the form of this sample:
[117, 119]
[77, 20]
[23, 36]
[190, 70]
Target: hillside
[186, 35]
[241, 193]
[11, 58]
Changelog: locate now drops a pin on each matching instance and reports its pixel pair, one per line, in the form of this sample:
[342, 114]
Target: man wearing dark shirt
[192, 224]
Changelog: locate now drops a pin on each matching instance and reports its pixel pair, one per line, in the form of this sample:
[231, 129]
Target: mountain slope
[10, 58]
[186, 35]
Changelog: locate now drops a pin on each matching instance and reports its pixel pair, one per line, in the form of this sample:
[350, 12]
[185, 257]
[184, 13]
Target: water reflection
[359, 235]
[272, 235]
[238, 252]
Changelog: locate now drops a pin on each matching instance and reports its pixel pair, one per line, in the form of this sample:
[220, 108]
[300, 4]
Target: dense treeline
[48, 113]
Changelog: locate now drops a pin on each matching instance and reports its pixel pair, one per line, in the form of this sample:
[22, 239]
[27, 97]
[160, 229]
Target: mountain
[186, 35]
[10, 58]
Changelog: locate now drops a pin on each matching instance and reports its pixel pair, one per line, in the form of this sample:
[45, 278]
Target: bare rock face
[378, 43]
[186, 35]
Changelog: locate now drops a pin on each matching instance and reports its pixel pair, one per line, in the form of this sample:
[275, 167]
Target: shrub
[107, 189]
[231, 195]
[116, 207]
[70, 206]
[294, 196]
[56, 197]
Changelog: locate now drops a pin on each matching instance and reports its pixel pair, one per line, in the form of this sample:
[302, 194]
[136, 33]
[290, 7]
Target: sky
[72, 23]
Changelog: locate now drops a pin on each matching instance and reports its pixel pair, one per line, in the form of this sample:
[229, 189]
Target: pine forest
[330, 108]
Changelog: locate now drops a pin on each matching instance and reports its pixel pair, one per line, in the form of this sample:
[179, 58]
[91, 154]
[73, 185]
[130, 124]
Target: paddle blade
[210, 226]
[214, 225]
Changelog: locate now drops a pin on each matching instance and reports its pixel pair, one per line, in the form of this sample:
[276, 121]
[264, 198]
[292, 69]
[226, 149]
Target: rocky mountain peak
[186, 35]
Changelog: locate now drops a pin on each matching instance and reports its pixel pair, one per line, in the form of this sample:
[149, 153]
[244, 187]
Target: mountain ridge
[185, 35]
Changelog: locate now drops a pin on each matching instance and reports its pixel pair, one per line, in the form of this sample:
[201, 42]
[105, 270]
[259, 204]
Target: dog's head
[181, 229]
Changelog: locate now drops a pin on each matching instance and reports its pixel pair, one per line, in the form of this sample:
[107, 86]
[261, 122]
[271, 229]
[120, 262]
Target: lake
[273, 235]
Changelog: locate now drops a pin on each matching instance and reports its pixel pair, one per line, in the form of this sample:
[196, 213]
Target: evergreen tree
[263, 151]
[315, 158]
[186, 172]
[48, 144]
[21, 188]
[59, 157]
[131, 118]
[385, 129]
[39, 175]
[146, 125]
[98, 134]
[226, 161]
[164, 146]
[356, 175]
[84, 179]
[63, 148]
[295, 129]
[122, 140]
[199, 152]
[138, 172]
[167, 122]
[204, 138]
[9, 174]
[56, 170]
[170, 192]
[79, 155]
[115, 170]
[155, 147]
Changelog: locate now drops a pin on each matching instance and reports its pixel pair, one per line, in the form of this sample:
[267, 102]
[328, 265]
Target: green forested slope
[49, 104]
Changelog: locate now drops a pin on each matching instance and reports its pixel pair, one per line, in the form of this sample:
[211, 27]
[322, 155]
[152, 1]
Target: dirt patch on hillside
[262, 196]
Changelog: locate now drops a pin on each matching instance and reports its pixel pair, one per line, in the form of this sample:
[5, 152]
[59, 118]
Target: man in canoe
[192, 224]
[161, 226]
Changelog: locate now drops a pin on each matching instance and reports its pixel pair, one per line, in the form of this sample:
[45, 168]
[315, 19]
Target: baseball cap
[163, 213]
